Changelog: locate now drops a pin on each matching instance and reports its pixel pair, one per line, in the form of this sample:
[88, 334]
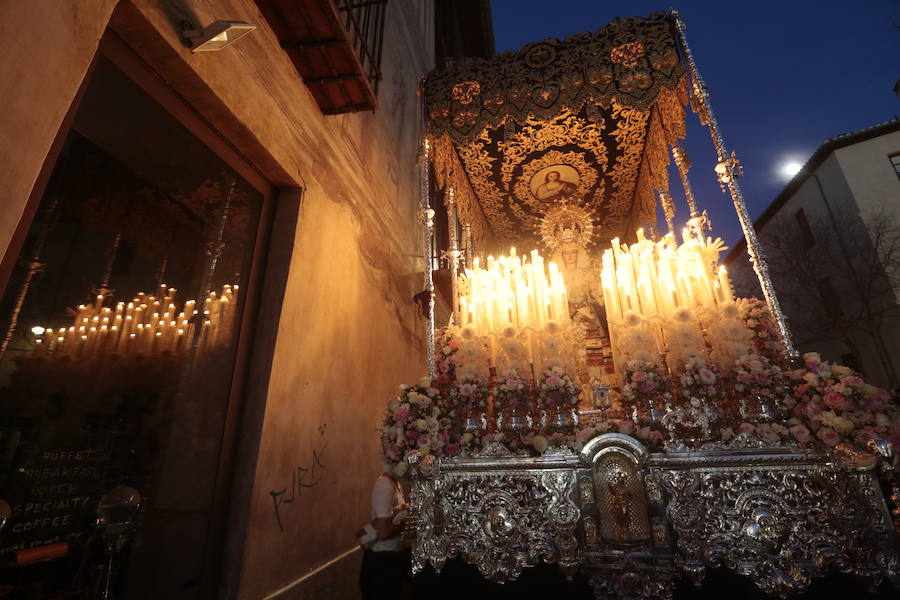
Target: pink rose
[828, 436]
[424, 441]
[836, 401]
[805, 410]
[800, 433]
[707, 376]
[626, 427]
[638, 376]
[453, 449]
[745, 428]
[401, 413]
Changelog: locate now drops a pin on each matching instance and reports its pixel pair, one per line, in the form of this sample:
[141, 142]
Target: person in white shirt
[385, 571]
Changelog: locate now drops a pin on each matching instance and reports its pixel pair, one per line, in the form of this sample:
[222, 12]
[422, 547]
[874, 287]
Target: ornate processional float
[600, 399]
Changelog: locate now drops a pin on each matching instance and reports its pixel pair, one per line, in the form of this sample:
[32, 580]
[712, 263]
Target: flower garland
[413, 421]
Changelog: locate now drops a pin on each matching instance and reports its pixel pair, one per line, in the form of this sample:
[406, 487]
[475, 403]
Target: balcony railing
[335, 45]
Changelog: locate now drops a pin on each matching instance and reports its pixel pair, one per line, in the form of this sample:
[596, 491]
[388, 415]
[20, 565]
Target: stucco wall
[870, 175]
[348, 332]
[47, 48]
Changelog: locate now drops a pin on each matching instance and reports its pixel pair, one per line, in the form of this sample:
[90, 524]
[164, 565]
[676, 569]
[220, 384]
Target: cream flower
[400, 468]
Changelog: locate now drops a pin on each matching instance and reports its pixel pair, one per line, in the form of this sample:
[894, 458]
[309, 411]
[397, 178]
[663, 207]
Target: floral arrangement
[766, 340]
[645, 383]
[469, 397]
[446, 347]
[700, 379]
[820, 404]
[556, 388]
[758, 379]
[770, 433]
[833, 403]
[512, 392]
[413, 421]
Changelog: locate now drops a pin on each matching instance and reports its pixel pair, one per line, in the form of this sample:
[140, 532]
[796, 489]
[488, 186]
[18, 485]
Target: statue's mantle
[632, 520]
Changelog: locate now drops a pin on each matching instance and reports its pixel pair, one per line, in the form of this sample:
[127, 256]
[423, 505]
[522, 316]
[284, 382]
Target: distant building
[831, 242]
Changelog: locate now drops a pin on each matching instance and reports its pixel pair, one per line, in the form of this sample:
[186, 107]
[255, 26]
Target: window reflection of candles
[139, 328]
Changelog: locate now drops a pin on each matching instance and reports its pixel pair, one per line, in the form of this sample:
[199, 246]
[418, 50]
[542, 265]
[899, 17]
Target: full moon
[789, 169]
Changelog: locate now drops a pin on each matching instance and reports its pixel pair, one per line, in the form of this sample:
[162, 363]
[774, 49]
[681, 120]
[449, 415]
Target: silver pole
[453, 254]
[427, 216]
[728, 171]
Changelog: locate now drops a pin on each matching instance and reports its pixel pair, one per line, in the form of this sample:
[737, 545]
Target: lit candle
[725, 284]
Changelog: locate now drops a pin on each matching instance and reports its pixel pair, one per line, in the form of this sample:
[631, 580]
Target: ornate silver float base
[634, 522]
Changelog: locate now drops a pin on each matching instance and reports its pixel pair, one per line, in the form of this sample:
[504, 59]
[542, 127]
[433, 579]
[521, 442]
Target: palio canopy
[585, 121]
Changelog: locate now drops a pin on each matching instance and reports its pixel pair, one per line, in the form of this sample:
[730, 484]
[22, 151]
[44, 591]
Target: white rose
[400, 468]
[425, 382]
[540, 443]
[421, 425]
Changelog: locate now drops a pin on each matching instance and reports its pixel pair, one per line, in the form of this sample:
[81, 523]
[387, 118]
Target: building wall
[870, 175]
[47, 48]
[854, 185]
[347, 332]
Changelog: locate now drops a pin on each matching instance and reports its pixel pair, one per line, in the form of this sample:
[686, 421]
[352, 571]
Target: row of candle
[147, 325]
[511, 291]
[656, 278]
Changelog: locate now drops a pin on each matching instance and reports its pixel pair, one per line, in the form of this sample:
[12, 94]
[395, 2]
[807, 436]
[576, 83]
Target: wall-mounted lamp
[216, 35]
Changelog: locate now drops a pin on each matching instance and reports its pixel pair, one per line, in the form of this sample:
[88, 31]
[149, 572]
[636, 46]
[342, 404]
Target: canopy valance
[584, 121]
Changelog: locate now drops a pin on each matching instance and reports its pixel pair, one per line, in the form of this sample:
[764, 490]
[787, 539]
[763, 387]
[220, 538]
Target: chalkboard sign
[53, 494]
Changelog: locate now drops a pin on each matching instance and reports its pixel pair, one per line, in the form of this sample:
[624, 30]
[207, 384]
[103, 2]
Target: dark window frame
[273, 237]
[895, 162]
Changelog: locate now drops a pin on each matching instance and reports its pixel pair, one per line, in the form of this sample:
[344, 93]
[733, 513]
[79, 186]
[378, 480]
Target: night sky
[783, 77]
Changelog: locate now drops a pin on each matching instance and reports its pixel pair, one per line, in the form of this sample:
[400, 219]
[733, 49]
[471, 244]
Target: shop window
[120, 327]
